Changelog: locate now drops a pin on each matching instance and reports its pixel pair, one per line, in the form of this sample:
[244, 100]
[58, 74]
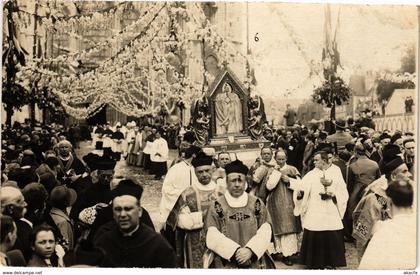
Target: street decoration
[133, 86]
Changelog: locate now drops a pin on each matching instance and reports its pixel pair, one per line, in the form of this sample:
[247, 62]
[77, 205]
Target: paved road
[152, 194]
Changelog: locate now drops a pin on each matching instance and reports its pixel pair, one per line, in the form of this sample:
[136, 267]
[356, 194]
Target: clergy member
[179, 177]
[159, 156]
[238, 226]
[219, 175]
[258, 172]
[131, 243]
[280, 205]
[322, 209]
[118, 138]
[191, 209]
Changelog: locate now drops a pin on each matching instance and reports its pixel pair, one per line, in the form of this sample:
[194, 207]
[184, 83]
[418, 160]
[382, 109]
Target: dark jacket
[37, 261]
[144, 248]
[23, 243]
[104, 222]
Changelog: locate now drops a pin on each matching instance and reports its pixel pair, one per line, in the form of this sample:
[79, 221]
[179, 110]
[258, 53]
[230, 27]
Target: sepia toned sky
[369, 38]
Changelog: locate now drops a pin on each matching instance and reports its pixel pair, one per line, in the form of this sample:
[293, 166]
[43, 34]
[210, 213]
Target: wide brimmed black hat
[340, 124]
[96, 162]
[384, 136]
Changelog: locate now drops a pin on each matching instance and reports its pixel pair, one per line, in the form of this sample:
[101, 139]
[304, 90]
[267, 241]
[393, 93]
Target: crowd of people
[307, 194]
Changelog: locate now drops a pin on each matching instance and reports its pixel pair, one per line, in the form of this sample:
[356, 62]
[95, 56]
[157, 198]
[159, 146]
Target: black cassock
[144, 248]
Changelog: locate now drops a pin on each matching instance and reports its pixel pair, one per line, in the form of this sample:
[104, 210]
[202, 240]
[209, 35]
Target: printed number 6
[256, 37]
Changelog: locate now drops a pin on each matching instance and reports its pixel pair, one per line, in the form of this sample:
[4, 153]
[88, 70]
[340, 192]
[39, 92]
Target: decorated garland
[130, 81]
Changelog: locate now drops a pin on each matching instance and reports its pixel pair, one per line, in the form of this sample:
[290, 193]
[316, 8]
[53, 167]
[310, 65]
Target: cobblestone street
[152, 193]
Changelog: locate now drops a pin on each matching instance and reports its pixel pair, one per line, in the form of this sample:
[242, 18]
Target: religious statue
[200, 120]
[228, 109]
[256, 117]
[255, 125]
[255, 102]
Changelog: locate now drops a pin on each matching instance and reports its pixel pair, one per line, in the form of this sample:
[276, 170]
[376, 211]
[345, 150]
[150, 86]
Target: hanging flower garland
[127, 33]
[114, 81]
[93, 77]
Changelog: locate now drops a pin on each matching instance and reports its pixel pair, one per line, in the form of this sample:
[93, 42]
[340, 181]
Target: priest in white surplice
[238, 226]
[159, 156]
[322, 210]
[179, 177]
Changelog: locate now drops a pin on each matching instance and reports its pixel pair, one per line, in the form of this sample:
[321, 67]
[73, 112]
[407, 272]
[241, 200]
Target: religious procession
[187, 135]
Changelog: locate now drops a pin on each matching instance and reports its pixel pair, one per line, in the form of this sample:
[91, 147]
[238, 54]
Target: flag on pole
[330, 53]
[327, 50]
[337, 61]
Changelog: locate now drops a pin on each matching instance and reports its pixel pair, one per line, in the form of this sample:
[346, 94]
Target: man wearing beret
[322, 142]
[131, 243]
[100, 216]
[238, 226]
[375, 205]
[190, 211]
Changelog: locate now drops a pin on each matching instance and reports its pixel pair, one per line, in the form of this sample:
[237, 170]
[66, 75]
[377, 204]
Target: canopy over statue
[228, 106]
[226, 118]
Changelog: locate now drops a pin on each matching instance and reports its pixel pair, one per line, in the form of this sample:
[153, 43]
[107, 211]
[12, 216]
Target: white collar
[131, 232]
[27, 221]
[236, 202]
[202, 187]
[65, 158]
[272, 162]
[383, 184]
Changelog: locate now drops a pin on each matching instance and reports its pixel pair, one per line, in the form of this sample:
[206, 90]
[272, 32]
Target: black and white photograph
[208, 135]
